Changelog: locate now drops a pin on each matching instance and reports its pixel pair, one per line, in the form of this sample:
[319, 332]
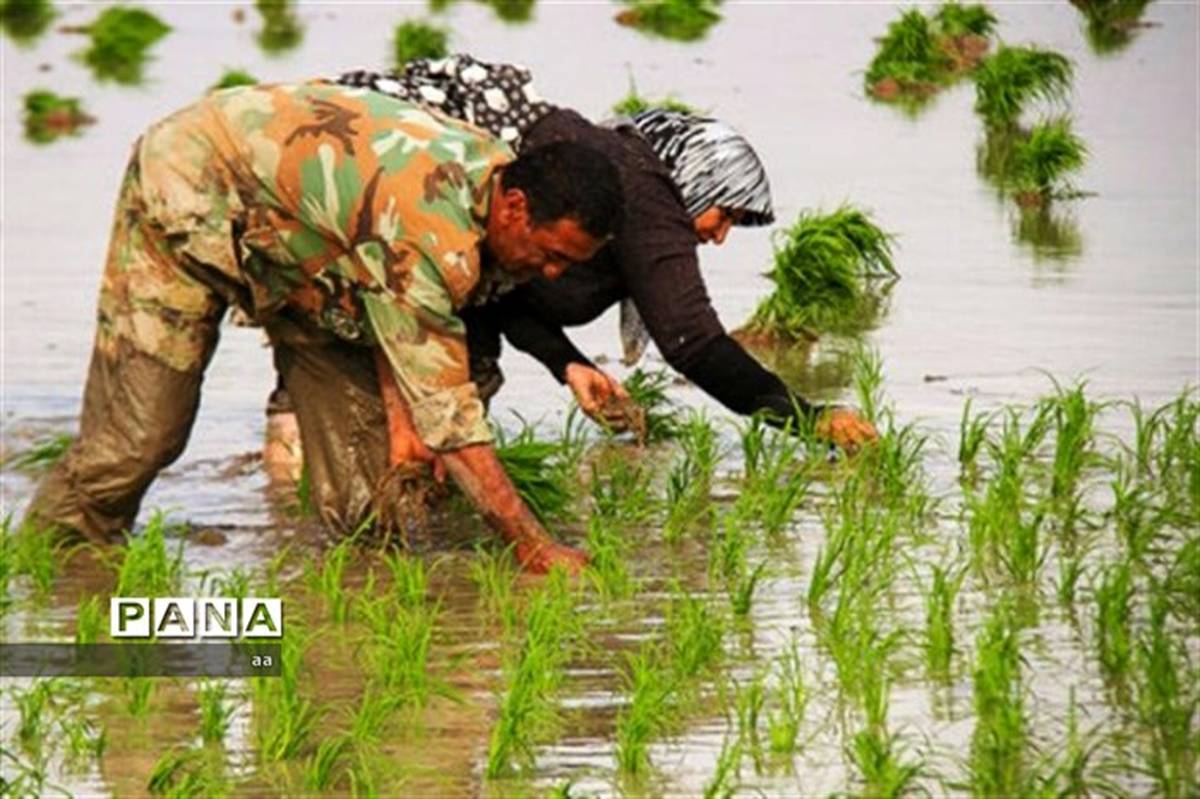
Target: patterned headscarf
[710, 162]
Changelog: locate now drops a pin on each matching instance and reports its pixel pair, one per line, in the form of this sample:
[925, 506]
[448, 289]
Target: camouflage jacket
[363, 212]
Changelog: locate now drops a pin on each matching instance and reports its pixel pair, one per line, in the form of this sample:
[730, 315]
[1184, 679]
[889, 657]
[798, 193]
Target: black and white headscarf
[500, 98]
[710, 162]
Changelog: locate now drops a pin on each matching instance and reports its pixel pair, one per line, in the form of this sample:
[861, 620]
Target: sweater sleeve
[535, 335]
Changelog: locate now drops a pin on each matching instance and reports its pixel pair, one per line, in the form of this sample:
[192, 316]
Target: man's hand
[593, 390]
[404, 443]
[846, 429]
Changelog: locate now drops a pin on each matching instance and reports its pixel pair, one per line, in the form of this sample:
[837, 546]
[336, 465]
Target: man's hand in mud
[599, 395]
[406, 447]
[846, 429]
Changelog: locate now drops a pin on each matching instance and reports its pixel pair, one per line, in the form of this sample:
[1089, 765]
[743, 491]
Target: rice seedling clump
[281, 30]
[681, 20]
[121, 39]
[1043, 159]
[827, 277]
[415, 39]
[919, 54]
[1005, 83]
[25, 20]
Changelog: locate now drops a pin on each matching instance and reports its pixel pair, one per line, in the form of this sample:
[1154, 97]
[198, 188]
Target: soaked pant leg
[334, 390]
[157, 327]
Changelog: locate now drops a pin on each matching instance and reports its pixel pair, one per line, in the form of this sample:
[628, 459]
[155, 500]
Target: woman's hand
[594, 390]
[846, 429]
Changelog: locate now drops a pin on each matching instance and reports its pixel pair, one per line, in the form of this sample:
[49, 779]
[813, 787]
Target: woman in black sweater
[686, 180]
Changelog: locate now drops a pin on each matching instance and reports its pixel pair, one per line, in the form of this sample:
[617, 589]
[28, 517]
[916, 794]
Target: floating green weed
[1008, 81]
[681, 20]
[825, 276]
[25, 20]
[281, 30]
[234, 77]
[121, 38]
[48, 450]
[414, 39]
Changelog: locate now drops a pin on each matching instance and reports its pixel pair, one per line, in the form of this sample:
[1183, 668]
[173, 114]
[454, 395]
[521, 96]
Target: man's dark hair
[568, 180]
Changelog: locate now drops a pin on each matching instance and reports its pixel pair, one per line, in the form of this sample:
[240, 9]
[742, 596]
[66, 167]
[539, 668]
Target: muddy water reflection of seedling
[1043, 158]
[281, 30]
[414, 39]
[828, 276]
[25, 20]
[121, 39]
[681, 20]
[1007, 82]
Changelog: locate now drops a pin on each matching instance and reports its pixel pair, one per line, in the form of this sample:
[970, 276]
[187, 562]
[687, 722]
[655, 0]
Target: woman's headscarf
[710, 162]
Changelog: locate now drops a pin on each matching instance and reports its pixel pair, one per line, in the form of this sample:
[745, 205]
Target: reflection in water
[25, 20]
[49, 116]
[281, 29]
[994, 156]
[814, 369]
[1111, 24]
[1051, 234]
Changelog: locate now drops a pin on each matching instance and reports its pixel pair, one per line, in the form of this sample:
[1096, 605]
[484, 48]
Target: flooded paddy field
[998, 599]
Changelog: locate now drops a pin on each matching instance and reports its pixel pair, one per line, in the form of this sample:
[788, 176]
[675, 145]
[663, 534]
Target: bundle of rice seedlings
[536, 469]
[681, 20]
[121, 38]
[1006, 82]
[919, 54]
[827, 268]
[414, 39]
[1044, 158]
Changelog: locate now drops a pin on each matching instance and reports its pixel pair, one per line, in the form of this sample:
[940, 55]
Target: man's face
[526, 249]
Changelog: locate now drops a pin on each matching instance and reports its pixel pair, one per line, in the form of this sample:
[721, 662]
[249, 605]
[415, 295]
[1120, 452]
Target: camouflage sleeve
[426, 345]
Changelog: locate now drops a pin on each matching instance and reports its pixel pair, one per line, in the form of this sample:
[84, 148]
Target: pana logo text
[192, 617]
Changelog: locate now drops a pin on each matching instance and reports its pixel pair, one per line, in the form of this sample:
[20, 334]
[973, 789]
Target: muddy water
[978, 313]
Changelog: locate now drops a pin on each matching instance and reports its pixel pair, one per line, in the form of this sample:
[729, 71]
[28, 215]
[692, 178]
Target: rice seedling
[533, 674]
[1041, 160]
[138, 693]
[215, 710]
[622, 493]
[680, 20]
[826, 275]
[30, 552]
[281, 30]
[608, 568]
[323, 767]
[1111, 24]
[410, 581]
[1138, 525]
[741, 590]
[329, 580]
[284, 720]
[649, 391]
[972, 434]
[693, 635]
[495, 574]
[1182, 584]
[25, 20]
[1167, 704]
[724, 782]
[414, 39]
[791, 702]
[367, 720]
[1005, 83]
[234, 77]
[650, 688]
[940, 598]
[120, 40]
[1070, 569]
[634, 103]
[1113, 619]
[402, 639]
[85, 741]
[181, 772]
[881, 764]
[89, 621]
[234, 583]
[954, 19]
[34, 709]
[749, 699]
[536, 468]
[998, 744]
[49, 114]
[146, 568]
